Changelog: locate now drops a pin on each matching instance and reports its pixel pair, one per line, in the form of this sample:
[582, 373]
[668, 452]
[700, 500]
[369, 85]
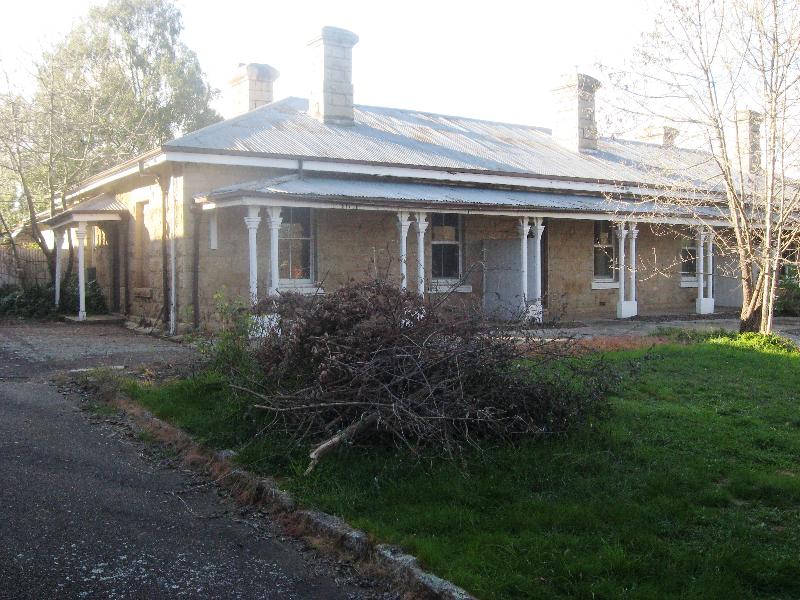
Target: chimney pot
[331, 99]
[251, 87]
[748, 124]
[576, 126]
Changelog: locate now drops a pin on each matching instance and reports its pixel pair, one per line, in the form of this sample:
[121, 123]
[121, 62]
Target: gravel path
[89, 511]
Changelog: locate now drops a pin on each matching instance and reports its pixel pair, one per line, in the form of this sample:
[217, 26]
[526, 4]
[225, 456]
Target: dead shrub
[373, 362]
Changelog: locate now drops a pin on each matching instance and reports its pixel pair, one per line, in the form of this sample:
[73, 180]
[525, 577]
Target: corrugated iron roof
[385, 191]
[101, 203]
[413, 138]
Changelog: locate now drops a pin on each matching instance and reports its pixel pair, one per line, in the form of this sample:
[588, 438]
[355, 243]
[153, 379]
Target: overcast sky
[491, 59]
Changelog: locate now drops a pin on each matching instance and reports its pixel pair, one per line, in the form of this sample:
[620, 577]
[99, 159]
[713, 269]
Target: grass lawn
[689, 487]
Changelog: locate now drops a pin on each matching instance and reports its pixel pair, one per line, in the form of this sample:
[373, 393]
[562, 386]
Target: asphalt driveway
[88, 511]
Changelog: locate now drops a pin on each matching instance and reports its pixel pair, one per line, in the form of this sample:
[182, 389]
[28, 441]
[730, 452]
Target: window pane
[688, 261]
[301, 259]
[603, 264]
[283, 258]
[294, 259]
[445, 261]
[445, 227]
[602, 233]
[296, 223]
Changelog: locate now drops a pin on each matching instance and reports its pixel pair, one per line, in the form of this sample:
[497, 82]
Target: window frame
[289, 283]
[688, 278]
[459, 243]
[601, 281]
[688, 245]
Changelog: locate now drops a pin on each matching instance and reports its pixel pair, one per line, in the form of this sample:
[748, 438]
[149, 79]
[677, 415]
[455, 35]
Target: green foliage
[749, 341]
[787, 301]
[758, 342]
[213, 413]
[35, 301]
[228, 350]
[95, 300]
[121, 82]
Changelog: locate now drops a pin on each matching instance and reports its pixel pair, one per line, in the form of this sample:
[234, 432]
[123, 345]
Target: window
[689, 259]
[446, 246]
[295, 246]
[605, 254]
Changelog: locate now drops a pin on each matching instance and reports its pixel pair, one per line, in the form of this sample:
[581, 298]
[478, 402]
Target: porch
[511, 252]
[97, 228]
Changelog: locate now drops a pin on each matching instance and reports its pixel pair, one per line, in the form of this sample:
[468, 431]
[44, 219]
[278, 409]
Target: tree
[723, 71]
[119, 84]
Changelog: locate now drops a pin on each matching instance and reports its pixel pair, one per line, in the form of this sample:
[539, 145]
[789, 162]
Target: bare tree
[723, 71]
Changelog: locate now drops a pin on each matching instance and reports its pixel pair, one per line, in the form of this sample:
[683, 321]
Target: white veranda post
[710, 267]
[275, 221]
[633, 233]
[422, 226]
[705, 272]
[59, 241]
[80, 236]
[625, 307]
[524, 226]
[404, 223]
[538, 230]
[252, 220]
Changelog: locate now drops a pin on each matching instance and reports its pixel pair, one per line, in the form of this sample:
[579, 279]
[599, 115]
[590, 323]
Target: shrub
[373, 362]
[229, 351]
[787, 302]
[95, 301]
[33, 301]
[761, 342]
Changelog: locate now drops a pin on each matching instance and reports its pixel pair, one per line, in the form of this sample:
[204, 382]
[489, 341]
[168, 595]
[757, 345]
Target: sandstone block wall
[361, 244]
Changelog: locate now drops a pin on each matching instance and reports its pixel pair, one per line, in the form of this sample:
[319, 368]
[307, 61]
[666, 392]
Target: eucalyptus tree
[120, 83]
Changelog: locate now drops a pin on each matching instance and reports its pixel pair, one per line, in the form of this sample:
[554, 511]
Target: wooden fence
[32, 263]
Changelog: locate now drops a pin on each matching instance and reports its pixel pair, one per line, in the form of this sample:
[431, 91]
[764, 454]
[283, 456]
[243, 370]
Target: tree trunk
[14, 252]
[750, 320]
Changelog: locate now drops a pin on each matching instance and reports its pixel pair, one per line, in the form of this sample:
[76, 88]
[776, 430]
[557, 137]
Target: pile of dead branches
[371, 361]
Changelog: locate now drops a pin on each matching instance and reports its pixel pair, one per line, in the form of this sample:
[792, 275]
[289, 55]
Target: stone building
[307, 194]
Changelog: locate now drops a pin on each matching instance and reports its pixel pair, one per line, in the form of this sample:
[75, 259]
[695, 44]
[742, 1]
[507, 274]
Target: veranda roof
[387, 194]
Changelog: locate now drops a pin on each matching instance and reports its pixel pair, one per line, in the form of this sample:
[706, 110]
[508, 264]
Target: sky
[493, 60]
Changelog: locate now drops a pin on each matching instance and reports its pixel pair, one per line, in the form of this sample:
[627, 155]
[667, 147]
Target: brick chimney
[251, 87]
[664, 135]
[331, 99]
[748, 124]
[575, 126]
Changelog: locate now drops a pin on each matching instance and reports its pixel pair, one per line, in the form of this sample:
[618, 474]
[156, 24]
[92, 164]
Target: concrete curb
[320, 529]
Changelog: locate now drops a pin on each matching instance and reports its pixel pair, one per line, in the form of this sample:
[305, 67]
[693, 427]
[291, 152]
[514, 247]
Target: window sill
[688, 282]
[444, 287]
[308, 289]
[604, 285]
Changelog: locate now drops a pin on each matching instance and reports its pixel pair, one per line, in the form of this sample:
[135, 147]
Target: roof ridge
[451, 116]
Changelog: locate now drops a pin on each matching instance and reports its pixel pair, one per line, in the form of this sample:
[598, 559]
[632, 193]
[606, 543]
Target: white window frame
[600, 282]
[687, 279]
[447, 283]
[305, 283]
